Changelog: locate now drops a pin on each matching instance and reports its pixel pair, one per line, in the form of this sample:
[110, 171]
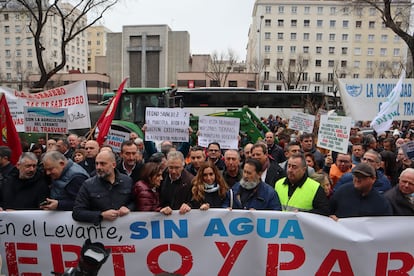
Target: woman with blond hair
[209, 189]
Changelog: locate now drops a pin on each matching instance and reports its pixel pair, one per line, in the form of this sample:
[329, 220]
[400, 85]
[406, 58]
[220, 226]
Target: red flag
[104, 122]
[9, 135]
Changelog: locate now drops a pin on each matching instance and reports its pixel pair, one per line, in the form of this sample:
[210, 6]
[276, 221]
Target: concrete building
[306, 45]
[18, 55]
[97, 37]
[151, 55]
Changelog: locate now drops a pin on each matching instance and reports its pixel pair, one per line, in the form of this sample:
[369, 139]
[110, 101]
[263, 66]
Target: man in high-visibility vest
[298, 192]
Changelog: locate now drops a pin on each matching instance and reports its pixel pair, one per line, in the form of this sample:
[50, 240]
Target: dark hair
[5, 151]
[127, 143]
[306, 135]
[390, 166]
[214, 143]
[197, 148]
[261, 145]
[292, 143]
[149, 170]
[257, 165]
[36, 147]
[157, 157]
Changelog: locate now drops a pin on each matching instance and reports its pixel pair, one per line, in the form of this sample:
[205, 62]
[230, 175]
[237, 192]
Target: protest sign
[213, 242]
[167, 124]
[46, 120]
[301, 121]
[408, 149]
[222, 130]
[72, 96]
[334, 133]
[115, 138]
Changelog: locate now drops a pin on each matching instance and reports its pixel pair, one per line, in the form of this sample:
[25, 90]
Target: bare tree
[220, 66]
[291, 72]
[397, 18]
[73, 17]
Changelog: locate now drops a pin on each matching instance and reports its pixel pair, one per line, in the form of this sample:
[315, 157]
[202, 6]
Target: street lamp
[260, 51]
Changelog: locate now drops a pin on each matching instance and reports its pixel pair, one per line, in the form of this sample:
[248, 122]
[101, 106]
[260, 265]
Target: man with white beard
[251, 193]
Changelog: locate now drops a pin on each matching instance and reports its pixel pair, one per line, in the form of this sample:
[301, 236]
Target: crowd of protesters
[283, 172]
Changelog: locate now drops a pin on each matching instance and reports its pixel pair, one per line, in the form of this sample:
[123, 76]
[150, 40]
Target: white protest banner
[72, 96]
[301, 121]
[115, 139]
[222, 130]
[213, 242]
[167, 124]
[362, 98]
[46, 120]
[334, 133]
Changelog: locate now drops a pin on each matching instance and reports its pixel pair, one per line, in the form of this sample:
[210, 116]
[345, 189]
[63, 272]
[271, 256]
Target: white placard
[222, 130]
[73, 96]
[302, 122]
[115, 139]
[167, 124]
[45, 120]
[334, 133]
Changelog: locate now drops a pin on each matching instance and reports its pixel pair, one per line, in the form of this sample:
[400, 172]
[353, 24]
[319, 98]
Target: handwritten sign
[222, 130]
[46, 120]
[334, 133]
[115, 138]
[408, 149]
[72, 96]
[167, 124]
[302, 122]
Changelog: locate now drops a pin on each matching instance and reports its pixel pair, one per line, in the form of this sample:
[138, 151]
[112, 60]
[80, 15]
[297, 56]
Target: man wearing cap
[358, 198]
[401, 197]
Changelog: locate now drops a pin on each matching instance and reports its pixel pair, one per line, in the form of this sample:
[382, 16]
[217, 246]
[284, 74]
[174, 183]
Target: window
[319, 36]
[267, 35]
[98, 42]
[357, 51]
[396, 52]
[29, 64]
[6, 17]
[279, 48]
[319, 23]
[320, 10]
[8, 64]
[344, 37]
[384, 38]
[307, 10]
[383, 64]
[306, 23]
[306, 36]
[370, 64]
[279, 35]
[344, 50]
[279, 62]
[330, 76]
[292, 49]
[331, 63]
[281, 9]
[29, 41]
[358, 11]
[292, 36]
[370, 51]
[331, 37]
[18, 52]
[292, 62]
[372, 11]
[396, 65]
[18, 64]
[8, 53]
[371, 37]
[332, 23]
[268, 9]
[18, 29]
[18, 40]
[318, 77]
[305, 62]
[7, 29]
[29, 52]
[355, 76]
[294, 9]
[343, 63]
[383, 51]
[358, 24]
[331, 50]
[332, 10]
[319, 50]
[345, 10]
[357, 64]
[305, 76]
[89, 43]
[293, 23]
[268, 22]
[396, 38]
[345, 24]
[358, 37]
[280, 23]
[279, 76]
[318, 63]
[8, 76]
[267, 48]
[233, 83]
[7, 41]
[267, 61]
[306, 49]
[371, 24]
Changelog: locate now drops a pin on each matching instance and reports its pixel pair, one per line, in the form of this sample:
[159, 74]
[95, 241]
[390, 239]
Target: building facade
[96, 49]
[17, 53]
[306, 45]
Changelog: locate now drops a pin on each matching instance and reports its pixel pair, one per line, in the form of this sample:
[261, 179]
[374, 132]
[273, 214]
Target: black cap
[364, 169]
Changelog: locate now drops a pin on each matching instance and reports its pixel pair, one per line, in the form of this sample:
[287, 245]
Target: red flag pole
[104, 122]
[9, 135]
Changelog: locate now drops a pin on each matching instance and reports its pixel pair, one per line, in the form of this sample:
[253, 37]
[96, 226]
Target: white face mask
[248, 185]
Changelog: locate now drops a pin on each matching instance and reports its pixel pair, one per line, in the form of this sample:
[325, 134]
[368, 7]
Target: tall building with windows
[97, 36]
[17, 52]
[306, 45]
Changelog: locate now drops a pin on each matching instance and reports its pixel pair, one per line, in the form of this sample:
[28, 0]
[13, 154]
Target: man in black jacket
[26, 188]
[129, 164]
[107, 195]
[271, 171]
[401, 197]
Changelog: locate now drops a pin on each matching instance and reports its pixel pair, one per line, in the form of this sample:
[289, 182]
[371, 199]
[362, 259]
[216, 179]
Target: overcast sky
[214, 25]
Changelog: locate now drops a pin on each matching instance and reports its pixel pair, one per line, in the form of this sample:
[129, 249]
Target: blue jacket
[264, 197]
[382, 184]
